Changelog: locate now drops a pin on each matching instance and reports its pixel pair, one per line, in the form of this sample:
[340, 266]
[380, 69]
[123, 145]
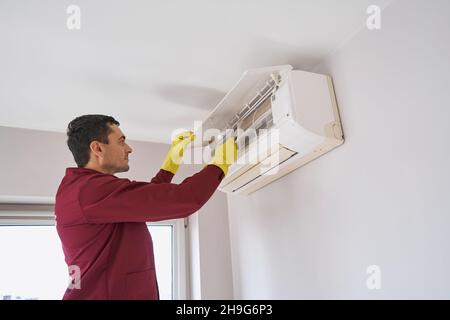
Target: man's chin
[123, 169]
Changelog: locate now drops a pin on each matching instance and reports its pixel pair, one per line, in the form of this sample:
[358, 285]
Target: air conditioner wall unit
[282, 119]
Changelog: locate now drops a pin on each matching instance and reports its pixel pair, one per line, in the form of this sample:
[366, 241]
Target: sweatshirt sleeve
[162, 176]
[108, 199]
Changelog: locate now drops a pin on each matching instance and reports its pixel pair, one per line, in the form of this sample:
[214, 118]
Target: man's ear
[96, 148]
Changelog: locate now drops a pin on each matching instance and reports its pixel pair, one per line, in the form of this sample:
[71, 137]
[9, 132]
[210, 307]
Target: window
[33, 264]
[162, 236]
[32, 261]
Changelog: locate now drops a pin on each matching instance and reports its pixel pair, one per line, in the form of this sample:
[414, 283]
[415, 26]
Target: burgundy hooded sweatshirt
[101, 221]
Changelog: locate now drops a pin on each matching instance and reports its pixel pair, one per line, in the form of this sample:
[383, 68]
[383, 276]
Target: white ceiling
[153, 65]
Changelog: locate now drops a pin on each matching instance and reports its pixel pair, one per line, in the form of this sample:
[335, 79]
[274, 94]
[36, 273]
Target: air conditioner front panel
[244, 91]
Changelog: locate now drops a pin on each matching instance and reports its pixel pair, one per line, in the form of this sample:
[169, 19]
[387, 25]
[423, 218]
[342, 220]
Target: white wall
[215, 252]
[209, 243]
[33, 163]
[380, 199]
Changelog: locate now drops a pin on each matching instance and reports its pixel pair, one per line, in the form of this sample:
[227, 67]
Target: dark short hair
[82, 130]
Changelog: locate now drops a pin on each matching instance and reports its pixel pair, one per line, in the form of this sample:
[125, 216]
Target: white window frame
[39, 211]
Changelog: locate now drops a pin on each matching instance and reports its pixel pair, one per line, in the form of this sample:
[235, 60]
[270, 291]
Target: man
[101, 218]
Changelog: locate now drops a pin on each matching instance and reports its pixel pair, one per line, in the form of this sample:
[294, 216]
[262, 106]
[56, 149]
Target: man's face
[115, 155]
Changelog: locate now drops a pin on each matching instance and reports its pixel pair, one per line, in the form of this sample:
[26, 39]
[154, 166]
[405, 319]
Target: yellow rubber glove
[175, 154]
[225, 155]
